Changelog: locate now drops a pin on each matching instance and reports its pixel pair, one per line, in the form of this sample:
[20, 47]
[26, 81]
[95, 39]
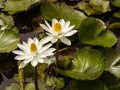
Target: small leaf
[117, 14]
[115, 25]
[9, 39]
[57, 83]
[94, 6]
[113, 62]
[30, 86]
[88, 64]
[86, 85]
[115, 3]
[61, 10]
[13, 86]
[92, 31]
[15, 6]
[7, 18]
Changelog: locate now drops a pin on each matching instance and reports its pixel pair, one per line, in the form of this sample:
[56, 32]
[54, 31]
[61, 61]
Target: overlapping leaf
[94, 6]
[88, 64]
[9, 39]
[92, 31]
[113, 62]
[115, 3]
[61, 10]
[15, 6]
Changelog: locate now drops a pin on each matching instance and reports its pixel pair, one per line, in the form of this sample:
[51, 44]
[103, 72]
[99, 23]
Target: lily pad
[9, 39]
[88, 64]
[61, 10]
[16, 6]
[93, 32]
[115, 3]
[113, 62]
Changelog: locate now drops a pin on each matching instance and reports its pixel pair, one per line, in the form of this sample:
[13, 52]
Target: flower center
[57, 27]
[33, 48]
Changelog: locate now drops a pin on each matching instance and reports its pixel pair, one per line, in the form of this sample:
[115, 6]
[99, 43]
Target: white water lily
[34, 51]
[59, 30]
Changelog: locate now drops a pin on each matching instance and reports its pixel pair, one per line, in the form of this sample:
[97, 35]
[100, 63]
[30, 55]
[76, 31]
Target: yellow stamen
[57, 27]
[33, 48]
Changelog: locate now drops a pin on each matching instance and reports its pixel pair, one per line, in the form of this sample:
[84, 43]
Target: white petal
[71, 33]
[49, 60]
[45, 28]
[22, 47]
[36, 41]
[44, 55]
[18, 52]
[40, 60]
[45, 47]
[66, 25]
[48, 25]
[62, 22]
[28, 60]
[22, 65]
[65, 40]
[30, 41]
[34, 63]
[54, 21]
[45, 40]
[68, 28]
[54, 39]
[50, 50]
[22, 57]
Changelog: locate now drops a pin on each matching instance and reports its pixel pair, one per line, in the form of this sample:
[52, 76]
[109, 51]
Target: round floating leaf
[15, 6]
[9, 39]
[30, 86]
[13, 86]
[92, 31]
[94, 6]
[88, 64]
[115, 3]
[117, 14]
[113, 62]
[86, 85]
[55, 82]
[7, 18]
[61, 10]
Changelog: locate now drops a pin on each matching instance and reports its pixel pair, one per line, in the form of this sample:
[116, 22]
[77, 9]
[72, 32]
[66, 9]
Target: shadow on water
[6, 82]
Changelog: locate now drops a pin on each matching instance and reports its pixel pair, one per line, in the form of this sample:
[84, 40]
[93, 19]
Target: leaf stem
[21, 76]
[36, 78]
[57, 52]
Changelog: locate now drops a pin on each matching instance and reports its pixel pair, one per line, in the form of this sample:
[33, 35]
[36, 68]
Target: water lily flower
[59, 30]
[34, 51]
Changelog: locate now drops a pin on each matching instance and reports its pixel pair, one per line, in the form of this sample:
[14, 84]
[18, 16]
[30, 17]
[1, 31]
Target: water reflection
[6, 82]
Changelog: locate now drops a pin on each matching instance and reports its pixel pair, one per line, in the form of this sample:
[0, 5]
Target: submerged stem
[57, 52]
[21, 77]
[36, 79]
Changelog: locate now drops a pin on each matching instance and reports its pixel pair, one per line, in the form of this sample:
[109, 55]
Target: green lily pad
[61, 10]
[88, 64]
[9, 39]
[94, 6]
[13, 86]
[92, 31]
[117, 14]
[7, 18]
[113, 62]
[16, 6]
[115, 3]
